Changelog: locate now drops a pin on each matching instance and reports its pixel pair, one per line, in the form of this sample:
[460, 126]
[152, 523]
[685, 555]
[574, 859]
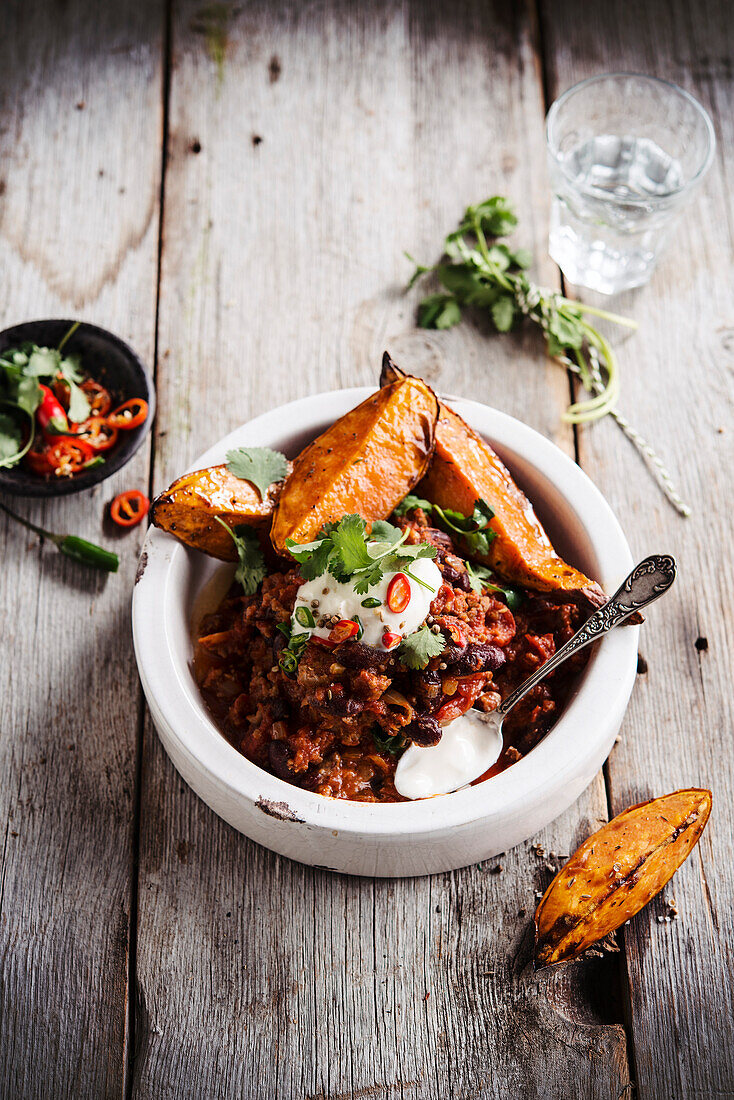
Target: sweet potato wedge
[464, 468]
[188, 509]
[616, 872]
[365, 462]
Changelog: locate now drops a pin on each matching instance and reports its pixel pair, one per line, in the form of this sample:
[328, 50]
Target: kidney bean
[278, 708]
[279, 757]
[359, 655]
[342, 706]
[423, 730]
[475, 657]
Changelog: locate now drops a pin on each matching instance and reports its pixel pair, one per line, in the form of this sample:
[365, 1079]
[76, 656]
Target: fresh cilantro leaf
[70, 368]
[503, 313]
[15, 426]
[302, 551]
[418, 550]
[477, 542]
[258, 465]
[312, 557]
[439, 311]
[11, 439]
[28, 394]
[417, 649]
[408, 503]
[382, 531]
[350, 547]
[482, 579]
[567, 330]
[474, 529]
[79, 407]
[385, 743]
[462, 524]
[367, 578]
[251, 568]
[43, 363]
[495, 217]
[478, 269]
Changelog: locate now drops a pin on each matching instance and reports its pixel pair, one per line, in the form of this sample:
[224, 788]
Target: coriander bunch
[478, 269]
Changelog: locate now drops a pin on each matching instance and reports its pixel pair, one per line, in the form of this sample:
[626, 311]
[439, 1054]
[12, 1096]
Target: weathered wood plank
[282, 269]
[80, 166]
[677, 382]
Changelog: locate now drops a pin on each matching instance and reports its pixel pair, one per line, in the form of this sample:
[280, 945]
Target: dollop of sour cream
[325, 597]
[468, 746]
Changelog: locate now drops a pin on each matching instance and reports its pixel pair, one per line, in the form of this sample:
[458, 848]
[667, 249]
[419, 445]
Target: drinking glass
[625, 152]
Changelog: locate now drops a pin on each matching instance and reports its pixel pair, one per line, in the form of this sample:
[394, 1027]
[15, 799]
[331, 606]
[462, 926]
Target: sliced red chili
[390, 640]
[49, 413]
[398, 593]
[98, 433]
[38, 462]
[61, 389]
[129, 508]
[68, 455]
[323, 641]
[98, 397]
[344, 629]
[130, 415]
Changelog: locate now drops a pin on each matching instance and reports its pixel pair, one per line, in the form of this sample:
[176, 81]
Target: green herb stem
[68, 335]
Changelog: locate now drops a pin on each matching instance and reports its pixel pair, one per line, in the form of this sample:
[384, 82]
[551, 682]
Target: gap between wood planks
[129, 1062]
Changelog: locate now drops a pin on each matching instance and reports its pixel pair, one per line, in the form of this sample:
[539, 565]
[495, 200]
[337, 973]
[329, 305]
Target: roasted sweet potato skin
[616, 872]
[365, 462]
[188, 510]
[464, 468]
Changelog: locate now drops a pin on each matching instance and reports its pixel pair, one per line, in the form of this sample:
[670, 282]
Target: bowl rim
[182, 712]
[47, 490]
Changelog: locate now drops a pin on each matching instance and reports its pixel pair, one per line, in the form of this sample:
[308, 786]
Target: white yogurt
[468, 746]
[339, 598]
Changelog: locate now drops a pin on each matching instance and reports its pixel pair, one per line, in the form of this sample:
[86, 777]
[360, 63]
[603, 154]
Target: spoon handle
[647, 581]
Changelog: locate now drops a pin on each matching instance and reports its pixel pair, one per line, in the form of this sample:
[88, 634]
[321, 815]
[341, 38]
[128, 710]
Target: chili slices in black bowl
[120, 405]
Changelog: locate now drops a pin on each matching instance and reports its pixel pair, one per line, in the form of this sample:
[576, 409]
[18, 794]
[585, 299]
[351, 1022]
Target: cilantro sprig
[347, 553]
[474, 529]
[261, 466]
[21, 369]
[481, 579]
[418, 648]
[478, 269]
[409, 502]
[251, 567]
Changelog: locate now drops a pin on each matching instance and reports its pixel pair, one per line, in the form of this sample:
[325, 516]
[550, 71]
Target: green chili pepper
[78, 549]
[371, 601]
[304, 617]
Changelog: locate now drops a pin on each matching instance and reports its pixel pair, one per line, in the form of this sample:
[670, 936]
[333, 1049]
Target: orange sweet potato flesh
[188, 510]
[464, 469]
[365, 462]
[616, 872]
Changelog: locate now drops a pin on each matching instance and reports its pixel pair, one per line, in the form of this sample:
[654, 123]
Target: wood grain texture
[309, 146]
[80, 142]
[678, 375]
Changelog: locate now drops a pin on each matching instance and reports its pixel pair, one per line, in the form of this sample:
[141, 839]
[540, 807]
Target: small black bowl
[108, 360]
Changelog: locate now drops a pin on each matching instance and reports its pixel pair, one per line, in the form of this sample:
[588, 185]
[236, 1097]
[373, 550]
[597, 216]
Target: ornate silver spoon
[471, 744]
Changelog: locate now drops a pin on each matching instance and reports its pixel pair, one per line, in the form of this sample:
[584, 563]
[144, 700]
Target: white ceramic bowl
[413, 838]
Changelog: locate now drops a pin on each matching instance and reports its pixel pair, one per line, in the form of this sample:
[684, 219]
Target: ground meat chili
[338, 725]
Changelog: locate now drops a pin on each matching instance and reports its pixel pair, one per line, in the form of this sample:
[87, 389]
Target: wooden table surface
[230, 187]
